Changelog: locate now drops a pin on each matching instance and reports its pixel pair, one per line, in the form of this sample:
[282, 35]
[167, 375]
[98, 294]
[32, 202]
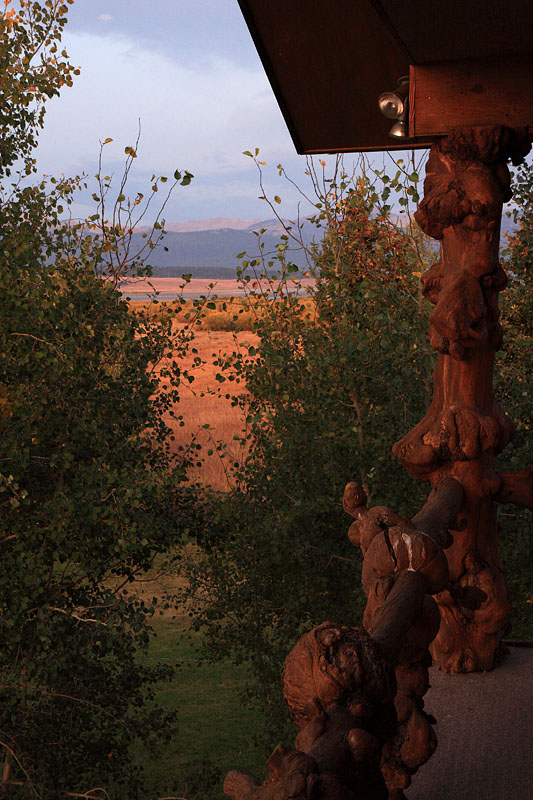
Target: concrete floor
[485, 731]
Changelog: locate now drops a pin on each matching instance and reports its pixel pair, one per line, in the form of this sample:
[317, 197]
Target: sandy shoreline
[194, 288]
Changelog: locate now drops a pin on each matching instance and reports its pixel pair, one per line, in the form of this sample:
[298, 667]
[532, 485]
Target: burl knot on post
[339, 687]
[403, 566]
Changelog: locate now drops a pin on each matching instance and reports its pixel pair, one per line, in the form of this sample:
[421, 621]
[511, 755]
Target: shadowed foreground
[484, 724]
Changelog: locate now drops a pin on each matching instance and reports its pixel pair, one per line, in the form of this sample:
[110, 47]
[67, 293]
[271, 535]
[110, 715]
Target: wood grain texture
[454, 94]
[516, 488]
[467, 182]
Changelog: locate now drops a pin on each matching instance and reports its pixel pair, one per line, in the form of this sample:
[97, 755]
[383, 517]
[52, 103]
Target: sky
[188, 70]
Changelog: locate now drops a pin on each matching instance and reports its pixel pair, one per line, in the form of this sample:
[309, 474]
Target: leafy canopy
[90, 493]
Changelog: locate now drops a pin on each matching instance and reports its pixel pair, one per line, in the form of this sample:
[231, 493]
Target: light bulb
[391, 105]
[399, 129]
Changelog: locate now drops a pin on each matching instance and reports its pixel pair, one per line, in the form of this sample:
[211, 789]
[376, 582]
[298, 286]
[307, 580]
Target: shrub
[330, 386]
[514, 371]
[89, 491]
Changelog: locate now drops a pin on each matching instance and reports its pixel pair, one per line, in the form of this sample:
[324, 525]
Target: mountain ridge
[211, 223]
[213, 250]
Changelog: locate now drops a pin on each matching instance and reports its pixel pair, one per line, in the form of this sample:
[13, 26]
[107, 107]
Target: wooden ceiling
[329, 60]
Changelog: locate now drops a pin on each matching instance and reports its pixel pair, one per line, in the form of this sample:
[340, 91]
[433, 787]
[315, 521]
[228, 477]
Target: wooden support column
[356, 694]
[466, 184]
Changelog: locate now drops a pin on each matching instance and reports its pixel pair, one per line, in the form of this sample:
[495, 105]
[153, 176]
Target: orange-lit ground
[201, 404]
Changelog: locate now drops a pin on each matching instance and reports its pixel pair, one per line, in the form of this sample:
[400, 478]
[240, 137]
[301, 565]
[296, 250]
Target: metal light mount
[395, 105]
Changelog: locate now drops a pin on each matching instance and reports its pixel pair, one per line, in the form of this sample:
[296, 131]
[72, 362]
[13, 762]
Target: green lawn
[216, 729]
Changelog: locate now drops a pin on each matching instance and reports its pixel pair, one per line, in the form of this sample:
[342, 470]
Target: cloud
[105, 17]
[205, 115]
[198, 117]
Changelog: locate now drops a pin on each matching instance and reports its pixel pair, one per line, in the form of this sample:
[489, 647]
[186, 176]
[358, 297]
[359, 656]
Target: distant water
[168, 297]
[166, 290]
[145, 298]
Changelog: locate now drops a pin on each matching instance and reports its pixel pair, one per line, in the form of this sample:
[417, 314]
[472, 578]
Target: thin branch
[15, 757]
[42, 341]
[76, 616]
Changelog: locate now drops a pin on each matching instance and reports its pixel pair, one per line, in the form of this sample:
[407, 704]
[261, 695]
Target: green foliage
[514, 371]
[89, 490]
[89, 494]
[327, 395]
[33, 67]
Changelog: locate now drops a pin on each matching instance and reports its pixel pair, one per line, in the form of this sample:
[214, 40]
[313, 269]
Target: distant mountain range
[208, 248]
[214, 223]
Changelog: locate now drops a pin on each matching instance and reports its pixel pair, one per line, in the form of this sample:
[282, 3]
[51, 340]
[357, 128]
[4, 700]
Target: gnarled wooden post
[356, 693]
[467, 182]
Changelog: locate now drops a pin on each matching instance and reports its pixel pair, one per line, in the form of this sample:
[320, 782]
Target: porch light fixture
[395, 105]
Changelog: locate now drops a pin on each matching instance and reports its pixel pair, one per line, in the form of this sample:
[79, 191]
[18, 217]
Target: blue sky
[189, 71]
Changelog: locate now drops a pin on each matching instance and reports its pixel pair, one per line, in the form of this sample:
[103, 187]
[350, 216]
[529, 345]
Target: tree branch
[438, 514]
[517, 488]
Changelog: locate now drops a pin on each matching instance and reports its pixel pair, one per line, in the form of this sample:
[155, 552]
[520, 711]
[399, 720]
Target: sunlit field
[216, 730]
[209, 417]
[205, 403]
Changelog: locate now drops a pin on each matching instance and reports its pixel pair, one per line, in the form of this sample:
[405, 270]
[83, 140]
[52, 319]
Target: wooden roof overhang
[469, 62]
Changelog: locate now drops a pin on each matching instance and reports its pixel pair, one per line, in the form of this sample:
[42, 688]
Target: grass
[216, 729]
[208, 414]
[201, 404]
